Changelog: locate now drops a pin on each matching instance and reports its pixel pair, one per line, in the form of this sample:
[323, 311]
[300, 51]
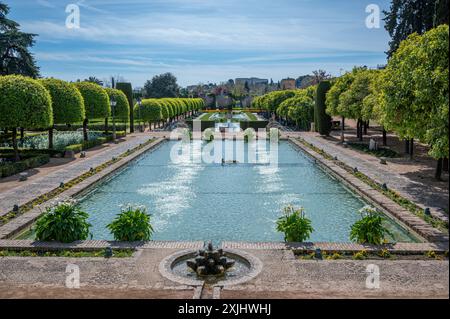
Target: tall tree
[15, 57]
[408, 16]
[93, 79]
[163, 85]
[415, 91]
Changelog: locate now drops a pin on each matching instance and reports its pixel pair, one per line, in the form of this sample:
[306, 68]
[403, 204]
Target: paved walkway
[28, 190]
[282, 276]
[422, 194]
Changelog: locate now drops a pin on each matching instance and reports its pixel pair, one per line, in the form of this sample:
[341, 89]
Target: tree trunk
[406, 146]
[342, 130]
[85, 132]
[106, 125]
[439, 169]
[360, 130]
[22, 134]
[366, 126]
[14, 142]
[411, 148]
[50, 138]
[445, 165]
[384, 137]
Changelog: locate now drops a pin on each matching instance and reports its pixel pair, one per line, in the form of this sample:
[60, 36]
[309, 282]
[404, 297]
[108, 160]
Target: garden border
[17, 224]
[416, 224]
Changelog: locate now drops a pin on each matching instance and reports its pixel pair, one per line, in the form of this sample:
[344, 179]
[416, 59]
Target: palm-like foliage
[294, 224]
[132, 224]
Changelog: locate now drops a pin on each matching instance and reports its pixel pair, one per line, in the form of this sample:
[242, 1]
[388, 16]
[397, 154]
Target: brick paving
[423, 194]
[282, 275]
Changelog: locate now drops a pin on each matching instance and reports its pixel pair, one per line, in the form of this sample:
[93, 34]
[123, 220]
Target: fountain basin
[246, 267]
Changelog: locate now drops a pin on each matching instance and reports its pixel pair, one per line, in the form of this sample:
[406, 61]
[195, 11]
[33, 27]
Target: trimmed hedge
[127, 89]
[93, 143]
[96, 100]
[322, 119]
[24, 103]
[253, 124]
[12, 168]
[92, 127]
[67, 101]
[122, 108]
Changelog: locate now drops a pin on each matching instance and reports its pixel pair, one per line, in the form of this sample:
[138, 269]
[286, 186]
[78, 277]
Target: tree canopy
[164, 85]
[67, 101]
[122, 108]
[96, 100]
[414, 98]
[413, 16]
[15, 57]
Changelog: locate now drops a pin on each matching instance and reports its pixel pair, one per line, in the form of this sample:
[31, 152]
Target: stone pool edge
[23, 221]
[371, 195]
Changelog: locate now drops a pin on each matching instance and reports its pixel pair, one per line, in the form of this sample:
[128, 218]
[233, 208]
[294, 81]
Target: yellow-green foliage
[96, 100]
[122, 108]
[67, 101]
[414, 90]
[24, 102]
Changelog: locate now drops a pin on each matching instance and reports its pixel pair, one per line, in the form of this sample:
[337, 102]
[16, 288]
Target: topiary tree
[414, 91]
[96, 103]
[165, 114]
[150, 111]
[24, 102]
[322, 119]
[127, 89]
[122, 109]
[300, 110]
[67, 103]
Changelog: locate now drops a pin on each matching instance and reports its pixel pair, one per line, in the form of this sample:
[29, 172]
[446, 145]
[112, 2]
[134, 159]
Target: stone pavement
[282, 276]
[29, 190]
[424, 195]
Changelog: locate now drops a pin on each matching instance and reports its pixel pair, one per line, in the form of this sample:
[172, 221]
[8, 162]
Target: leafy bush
[122, 109]
[61, 140]
[150, 111]
[67, 101]
[24, 103]
[96, 100]
[127, 89]
[208, 135]
[12, 168]
[75, 147]
[295, 226]
[369, 229]
[249, 134]
[64, 223]
[132, 224]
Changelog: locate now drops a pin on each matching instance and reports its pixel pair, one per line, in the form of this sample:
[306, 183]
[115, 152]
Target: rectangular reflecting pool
[193, 200]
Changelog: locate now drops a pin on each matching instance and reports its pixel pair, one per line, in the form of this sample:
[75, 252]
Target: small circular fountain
[212, 266]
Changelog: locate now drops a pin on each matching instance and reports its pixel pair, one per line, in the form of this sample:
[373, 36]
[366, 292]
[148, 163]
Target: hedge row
[155, 110]
[11, 168]
[93, 143]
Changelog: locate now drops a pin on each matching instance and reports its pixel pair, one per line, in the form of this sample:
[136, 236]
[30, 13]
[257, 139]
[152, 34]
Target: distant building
[251, 81]
[288, 84]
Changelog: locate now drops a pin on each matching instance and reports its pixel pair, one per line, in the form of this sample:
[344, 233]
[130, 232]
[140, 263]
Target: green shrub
[321, 118]
[369, 229]
[96, 100]
[122, 109]
[360, 255]
[295, 226]
[75, 147]
[67, 101]
[127, 89]
[12, 168]
[132, 224]
[64, 223]
[150, 111]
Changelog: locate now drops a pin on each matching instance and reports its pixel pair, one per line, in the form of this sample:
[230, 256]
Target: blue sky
[201, 41]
